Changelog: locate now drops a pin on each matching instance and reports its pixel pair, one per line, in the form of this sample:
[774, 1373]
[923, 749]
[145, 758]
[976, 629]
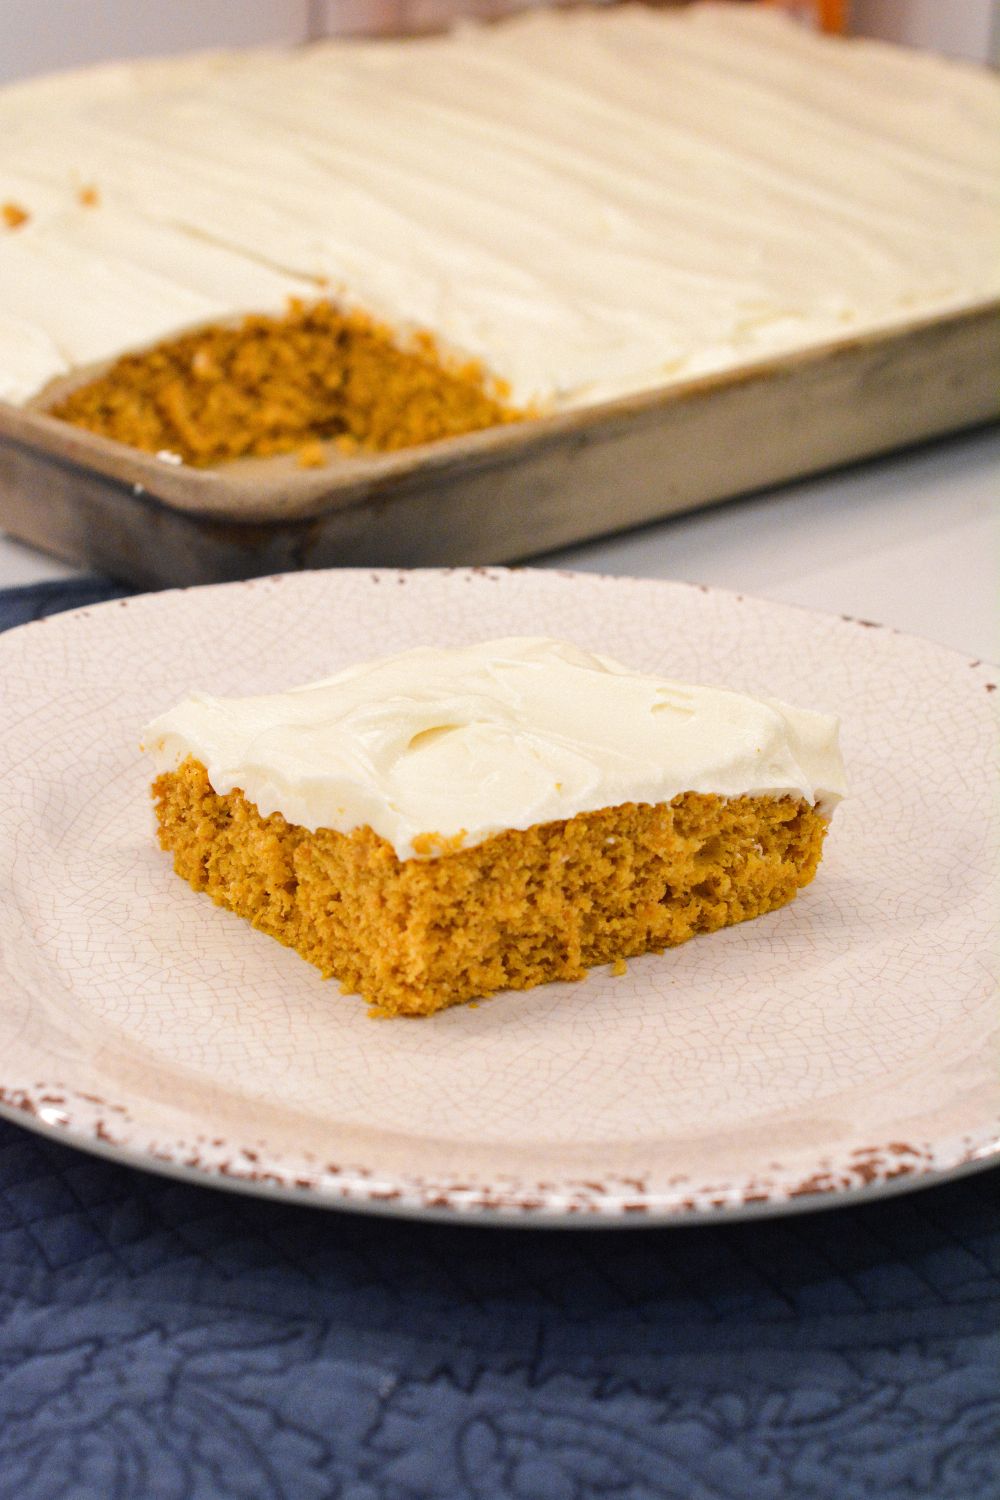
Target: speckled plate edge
[106, 1129]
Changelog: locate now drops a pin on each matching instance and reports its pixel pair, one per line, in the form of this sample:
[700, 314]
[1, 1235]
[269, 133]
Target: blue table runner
[161, 1341]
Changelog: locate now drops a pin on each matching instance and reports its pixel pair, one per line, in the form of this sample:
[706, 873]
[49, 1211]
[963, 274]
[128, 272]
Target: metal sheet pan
[507, 493]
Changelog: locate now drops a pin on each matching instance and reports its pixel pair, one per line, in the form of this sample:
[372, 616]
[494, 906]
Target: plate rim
[141, 596]
[355, 1196]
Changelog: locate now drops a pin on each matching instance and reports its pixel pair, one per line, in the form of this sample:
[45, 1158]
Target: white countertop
[911, 541]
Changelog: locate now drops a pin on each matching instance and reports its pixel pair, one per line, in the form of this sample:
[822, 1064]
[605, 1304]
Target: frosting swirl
[467, 742]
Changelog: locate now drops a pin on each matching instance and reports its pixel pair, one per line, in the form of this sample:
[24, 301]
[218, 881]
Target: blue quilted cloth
[160, 1341]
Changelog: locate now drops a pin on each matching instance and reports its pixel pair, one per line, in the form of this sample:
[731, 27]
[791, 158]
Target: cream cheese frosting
[589, 202]
[504, 734]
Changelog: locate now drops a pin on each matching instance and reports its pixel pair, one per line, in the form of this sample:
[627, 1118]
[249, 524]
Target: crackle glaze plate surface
[843, 1046]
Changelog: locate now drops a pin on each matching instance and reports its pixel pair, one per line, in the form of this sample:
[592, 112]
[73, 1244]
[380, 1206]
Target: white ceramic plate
[843, 1045]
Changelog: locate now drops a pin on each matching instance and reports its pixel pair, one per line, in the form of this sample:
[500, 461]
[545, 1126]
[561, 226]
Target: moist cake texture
[675, 193]
[274, 384]
[573, 817]
[523, 907]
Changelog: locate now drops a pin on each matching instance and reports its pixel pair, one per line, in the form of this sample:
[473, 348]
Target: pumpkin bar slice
[438, 825]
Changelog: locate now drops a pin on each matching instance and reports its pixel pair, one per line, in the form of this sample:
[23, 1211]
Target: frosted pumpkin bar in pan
[439, 825]
[390, 241]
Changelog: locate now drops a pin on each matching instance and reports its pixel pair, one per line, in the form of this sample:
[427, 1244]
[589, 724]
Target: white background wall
[40, 35]
[37, 36]
[960, 28]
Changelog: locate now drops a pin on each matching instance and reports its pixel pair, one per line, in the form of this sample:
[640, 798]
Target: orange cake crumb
[279, 384]
[14, 215]
[88, 196]
[311, 455]
[522, 907]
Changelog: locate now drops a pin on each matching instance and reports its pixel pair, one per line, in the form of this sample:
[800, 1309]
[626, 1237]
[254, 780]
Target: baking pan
[507, 493]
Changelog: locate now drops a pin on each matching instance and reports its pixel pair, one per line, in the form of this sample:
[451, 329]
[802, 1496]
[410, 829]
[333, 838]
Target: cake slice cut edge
[520, 908]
